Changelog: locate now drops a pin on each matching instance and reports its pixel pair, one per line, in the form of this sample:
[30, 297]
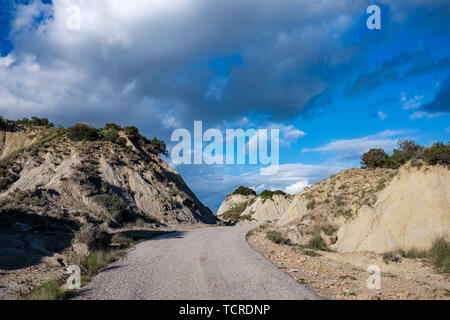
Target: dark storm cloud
[441, 102]
[393, 69]
[149, 63]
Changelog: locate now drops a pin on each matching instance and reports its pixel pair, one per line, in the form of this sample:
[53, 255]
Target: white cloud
[386, 140]
[403, 97]
[224, 183]
[297, 187]
[217, 87]
[424, 114]
[381, 115]
[7, 61]
[291, 132]
[125, 54]
[413, 103]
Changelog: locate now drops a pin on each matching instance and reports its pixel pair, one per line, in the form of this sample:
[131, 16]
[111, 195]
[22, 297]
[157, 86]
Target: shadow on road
[151, 235]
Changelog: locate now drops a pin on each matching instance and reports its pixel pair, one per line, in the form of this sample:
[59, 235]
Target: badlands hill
[376, 209]
[56, 183]
[245, 204]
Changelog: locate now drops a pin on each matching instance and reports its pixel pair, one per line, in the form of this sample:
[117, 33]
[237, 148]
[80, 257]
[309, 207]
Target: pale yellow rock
[232, 201]
[12, 141]
[295, 212]
[260, 209]
[272, 209]
[410, 213]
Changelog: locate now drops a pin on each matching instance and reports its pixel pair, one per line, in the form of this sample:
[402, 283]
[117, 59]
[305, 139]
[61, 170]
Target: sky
[312, 69]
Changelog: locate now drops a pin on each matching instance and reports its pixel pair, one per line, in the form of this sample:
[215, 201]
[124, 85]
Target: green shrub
[112, 126]
[35, 121]
[113, 204]
[82, 132]
[374, 158]
[328, 229]
[266, 194]
[49, 290]
[93, 262]
[311, 204]
[252, 232]
[438, 153]
[121, 141]
[131, 131]
[344, 213]
[110, 133]
[247, 217]
[317, 243]
[390, 256]
[407, 150]
[340, 202]
[93, 237]
[277, 238]
[156, 146]
[123, 242]
[439, 254]
[244, 191]
[233, 214]
[414, 254]
[310, 253]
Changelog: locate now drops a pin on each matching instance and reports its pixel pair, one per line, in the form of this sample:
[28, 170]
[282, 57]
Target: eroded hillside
[63, 190]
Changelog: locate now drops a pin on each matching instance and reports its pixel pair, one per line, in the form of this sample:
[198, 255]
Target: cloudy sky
[310, 68]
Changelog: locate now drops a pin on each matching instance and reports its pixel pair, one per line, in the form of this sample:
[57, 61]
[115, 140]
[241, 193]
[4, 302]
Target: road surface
[213, 263]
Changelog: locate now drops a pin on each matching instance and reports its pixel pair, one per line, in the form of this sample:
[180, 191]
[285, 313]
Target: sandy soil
[344, 276]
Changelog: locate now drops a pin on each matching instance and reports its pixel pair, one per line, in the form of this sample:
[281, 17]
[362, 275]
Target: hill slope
[59, 197]
[102, 180]
[410, 213]
[254, 207]
[361, 209]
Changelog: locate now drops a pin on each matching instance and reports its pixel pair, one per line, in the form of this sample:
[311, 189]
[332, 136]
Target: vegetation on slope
[407, 150]
[244, 191]
[111, 132]
[438, 255]
[266, 194]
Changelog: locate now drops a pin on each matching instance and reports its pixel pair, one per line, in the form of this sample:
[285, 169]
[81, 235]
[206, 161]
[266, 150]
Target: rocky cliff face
[97, 181]
[255, 207]
[410, 213]
[60, 198]
[361, 209]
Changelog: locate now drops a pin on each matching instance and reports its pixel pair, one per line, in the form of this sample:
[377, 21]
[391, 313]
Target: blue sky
[312, 69]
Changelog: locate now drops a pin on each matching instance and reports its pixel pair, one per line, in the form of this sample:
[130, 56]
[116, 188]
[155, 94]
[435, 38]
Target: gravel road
[205, 263]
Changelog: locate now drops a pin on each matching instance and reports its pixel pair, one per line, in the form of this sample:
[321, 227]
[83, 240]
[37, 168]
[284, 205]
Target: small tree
[110, 132]
[438, 153]
[267, 194]
[112, 126]
[121, 141]
[244, 191]
[131, 131]
[41, 122]
[408, 150]
[82, 132]
[374, 158]
[158, 147]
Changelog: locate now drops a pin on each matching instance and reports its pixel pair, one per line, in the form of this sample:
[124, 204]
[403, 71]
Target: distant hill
[367, 209]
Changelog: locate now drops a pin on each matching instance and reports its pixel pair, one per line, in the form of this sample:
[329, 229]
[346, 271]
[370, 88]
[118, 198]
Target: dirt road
[204, 263]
